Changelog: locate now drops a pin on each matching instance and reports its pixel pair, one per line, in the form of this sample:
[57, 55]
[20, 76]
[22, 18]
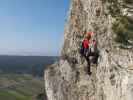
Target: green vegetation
[12, 95]
[19, 87]
[123, 26]
[21, 77]
[124, 30]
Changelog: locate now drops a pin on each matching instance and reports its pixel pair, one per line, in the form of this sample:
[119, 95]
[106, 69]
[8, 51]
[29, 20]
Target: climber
[85, 50]
[89, 49]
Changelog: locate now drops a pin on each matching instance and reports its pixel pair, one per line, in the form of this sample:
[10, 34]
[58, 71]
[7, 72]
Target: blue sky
[32, 27]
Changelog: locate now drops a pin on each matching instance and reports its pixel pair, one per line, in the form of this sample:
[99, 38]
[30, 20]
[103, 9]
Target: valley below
[20, 87]
[21, 77]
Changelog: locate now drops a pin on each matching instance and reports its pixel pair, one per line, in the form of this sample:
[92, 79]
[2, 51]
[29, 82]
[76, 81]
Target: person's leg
[85, 52]
[86, 55]
[88, 65]
[89, 68]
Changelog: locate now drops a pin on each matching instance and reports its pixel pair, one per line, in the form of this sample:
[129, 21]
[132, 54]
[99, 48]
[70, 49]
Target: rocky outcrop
[111, 79]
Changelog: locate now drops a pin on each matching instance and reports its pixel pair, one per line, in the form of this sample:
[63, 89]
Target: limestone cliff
[111, 79]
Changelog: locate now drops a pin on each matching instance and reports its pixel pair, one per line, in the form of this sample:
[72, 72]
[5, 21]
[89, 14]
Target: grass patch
[19, 87]
[12, 95]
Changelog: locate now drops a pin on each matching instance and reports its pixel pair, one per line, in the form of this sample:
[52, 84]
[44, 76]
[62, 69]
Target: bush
[123, 26]
[123, 30]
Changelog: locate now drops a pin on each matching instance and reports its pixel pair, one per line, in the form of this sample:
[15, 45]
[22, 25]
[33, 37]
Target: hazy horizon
[28, 54]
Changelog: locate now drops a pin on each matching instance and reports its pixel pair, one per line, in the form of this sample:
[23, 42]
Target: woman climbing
[86, 50]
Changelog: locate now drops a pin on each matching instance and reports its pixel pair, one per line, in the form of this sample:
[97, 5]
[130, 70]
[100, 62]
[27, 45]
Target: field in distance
[20, 87]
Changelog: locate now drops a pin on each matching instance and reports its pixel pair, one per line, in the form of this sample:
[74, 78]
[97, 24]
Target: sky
[32, 27]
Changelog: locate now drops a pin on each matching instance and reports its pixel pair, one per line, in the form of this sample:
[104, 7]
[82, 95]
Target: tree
[122, 11]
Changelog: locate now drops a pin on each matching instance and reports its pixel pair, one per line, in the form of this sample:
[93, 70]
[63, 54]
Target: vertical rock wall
[111, 79]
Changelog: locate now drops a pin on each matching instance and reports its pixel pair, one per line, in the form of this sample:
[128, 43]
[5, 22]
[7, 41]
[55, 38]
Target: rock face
[111, 79]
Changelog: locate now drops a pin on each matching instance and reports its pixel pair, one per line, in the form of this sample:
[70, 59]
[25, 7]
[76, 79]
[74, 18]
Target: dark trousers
[87, 54]
[89, 64]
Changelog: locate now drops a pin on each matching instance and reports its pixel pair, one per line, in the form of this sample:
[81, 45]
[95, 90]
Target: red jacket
[86, 43]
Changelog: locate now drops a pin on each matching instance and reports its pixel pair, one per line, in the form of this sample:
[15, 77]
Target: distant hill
[34, 65]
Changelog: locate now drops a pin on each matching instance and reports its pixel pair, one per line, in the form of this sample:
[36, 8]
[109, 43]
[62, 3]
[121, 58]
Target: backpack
[93, 47]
